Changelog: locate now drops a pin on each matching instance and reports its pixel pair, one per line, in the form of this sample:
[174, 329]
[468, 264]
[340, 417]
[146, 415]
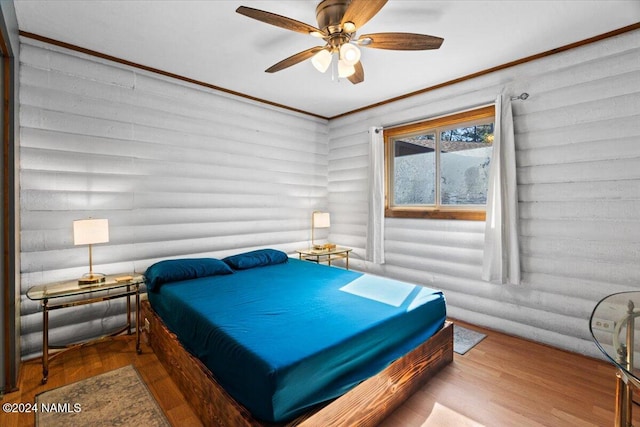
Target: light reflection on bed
[390, 292]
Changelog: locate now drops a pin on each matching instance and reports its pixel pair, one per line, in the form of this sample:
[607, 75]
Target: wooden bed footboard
[365, 405]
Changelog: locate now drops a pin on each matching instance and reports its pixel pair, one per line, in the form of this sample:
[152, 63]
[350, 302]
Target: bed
[261, 339]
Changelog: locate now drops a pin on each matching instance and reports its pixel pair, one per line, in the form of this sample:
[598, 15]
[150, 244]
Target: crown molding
[128, 63]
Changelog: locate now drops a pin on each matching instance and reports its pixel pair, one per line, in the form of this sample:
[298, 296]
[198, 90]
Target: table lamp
[320, 220]
[90, 232]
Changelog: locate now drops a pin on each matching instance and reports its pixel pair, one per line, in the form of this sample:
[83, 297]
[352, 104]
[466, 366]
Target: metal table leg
[138, 349]
[45, 341]
[128, 311]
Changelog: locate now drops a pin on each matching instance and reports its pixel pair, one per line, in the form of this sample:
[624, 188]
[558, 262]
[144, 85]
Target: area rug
[115, 398]
[465, 339]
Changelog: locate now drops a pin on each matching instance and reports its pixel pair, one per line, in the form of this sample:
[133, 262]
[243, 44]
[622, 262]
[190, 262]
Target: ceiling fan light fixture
[349, 27]
[338, 21]
[350, 54]
[321, 60]
[344, 69]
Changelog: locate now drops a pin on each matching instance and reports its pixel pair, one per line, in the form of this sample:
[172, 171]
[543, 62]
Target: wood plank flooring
[503, 381]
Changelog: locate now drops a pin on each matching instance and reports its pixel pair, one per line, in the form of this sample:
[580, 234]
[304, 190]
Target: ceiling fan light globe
[350, 54]
[345, 70]
[321, 60]
[349, 27]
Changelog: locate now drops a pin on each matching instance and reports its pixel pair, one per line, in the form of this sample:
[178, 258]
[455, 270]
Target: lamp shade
[321, 219]
[321, 60]
[350, 54]
[345, 70]
[90, 231]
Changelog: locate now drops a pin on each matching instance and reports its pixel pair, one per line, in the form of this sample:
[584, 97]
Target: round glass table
[613, 327]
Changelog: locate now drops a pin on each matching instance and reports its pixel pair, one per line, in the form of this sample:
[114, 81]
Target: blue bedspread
[283, 338]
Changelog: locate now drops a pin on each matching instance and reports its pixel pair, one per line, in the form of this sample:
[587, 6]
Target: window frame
[437, 211]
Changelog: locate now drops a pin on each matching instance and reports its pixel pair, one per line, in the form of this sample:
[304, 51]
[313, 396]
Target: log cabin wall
[184, 171]
[578, 172]
[178, 170]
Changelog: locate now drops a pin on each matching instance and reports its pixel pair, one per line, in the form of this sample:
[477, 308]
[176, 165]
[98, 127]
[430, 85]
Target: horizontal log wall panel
[179, 171]
[579, 191]
[578, 188]
[589, 151]
[584, 209]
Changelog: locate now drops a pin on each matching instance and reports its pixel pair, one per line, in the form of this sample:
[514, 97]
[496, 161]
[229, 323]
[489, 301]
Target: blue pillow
[175, 270]
[259, 258]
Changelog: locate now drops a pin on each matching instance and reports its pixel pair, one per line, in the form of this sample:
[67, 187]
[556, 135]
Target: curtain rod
[521, 97]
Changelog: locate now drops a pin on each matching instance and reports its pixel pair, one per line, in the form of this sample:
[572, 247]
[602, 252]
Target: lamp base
[91, 279]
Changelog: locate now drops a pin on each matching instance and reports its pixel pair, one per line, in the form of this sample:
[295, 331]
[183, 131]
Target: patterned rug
[465, 339]
[115, 398]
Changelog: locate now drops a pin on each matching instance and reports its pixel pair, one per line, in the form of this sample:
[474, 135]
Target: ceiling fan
[338, 22]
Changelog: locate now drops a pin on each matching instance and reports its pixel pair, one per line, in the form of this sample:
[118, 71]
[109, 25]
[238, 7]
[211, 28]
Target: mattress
[283, 338]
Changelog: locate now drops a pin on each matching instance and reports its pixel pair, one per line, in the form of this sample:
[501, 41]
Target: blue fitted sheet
[283, 338]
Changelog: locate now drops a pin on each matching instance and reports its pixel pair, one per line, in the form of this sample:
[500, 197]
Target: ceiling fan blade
[294, 59]
[278, 20]
[361, 11]
[358, 76]
[400, 41]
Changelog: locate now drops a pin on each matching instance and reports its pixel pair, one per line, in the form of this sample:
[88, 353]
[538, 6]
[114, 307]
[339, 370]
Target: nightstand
[55, 296]
[325, 255]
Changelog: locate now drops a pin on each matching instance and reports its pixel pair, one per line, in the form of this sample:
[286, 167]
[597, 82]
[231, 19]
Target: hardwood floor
[95, 359]
[507, 381]
[503, 381]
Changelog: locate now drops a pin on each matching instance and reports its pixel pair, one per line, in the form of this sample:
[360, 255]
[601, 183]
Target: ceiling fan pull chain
[334, 67]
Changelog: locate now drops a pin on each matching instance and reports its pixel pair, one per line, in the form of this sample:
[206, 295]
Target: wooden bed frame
[365, 405]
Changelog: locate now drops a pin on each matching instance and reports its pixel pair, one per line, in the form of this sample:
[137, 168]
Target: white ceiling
[209, 42]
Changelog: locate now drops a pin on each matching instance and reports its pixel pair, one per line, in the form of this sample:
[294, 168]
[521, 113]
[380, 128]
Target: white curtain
[375, 224]
[501, 252]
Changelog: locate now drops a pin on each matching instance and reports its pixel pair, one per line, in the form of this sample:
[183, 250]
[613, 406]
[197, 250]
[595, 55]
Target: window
[439, 168]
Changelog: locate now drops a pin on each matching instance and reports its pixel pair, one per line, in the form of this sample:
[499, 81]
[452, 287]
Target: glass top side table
[60, 295]
[70, 288]
[325, 255]
[613, 327]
